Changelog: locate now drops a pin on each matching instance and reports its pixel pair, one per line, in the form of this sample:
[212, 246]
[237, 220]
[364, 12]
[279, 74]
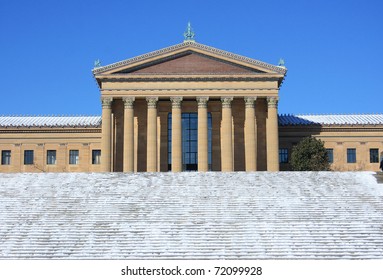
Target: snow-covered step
[283, 215]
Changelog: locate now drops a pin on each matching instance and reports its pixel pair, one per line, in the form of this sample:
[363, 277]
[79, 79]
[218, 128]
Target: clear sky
[332, 49]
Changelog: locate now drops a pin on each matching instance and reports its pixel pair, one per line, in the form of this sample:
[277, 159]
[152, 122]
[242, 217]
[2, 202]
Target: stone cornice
[188, 89]
[190, 46]
[14, 130]
[182, 77]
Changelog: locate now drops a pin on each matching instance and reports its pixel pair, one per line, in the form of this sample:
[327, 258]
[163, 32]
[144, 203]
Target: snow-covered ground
[261, 215]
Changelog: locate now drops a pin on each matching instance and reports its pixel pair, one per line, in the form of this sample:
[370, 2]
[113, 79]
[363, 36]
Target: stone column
[176, 134]
[272, 134]
[203, 163]
[226, 135]
[106, 134]
[128, 159]
[250, 135]
[151, 151]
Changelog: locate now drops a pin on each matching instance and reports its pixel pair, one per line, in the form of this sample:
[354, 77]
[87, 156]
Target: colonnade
[227, 163]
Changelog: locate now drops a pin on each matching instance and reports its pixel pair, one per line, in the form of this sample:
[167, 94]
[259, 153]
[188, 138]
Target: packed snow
[260, 215]
[333, 119]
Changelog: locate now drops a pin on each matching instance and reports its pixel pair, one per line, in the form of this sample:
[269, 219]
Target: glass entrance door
[189, 141]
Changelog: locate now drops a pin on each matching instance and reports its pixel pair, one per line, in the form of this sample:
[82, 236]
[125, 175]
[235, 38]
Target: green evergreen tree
[310, 155]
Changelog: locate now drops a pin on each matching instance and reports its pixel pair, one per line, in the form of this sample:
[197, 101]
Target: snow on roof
[50, 121]
[191, 215]
[95, 121]
[349, 119]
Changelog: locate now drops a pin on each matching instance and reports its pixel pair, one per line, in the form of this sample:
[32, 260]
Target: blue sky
[332, 49]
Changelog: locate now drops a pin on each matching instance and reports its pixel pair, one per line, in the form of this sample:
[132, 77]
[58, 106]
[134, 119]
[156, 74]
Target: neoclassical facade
[229, 101]
[187, 107]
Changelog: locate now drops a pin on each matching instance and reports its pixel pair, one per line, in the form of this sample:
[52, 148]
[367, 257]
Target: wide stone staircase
[260, 215]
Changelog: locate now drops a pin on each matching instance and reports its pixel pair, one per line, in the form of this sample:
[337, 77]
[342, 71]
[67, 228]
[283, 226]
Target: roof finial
[97, 63]
[189, 34]
[281, 63]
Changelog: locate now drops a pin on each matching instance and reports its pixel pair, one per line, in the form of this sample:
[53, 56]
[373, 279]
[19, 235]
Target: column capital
[106, 102]
[176, 102]
[128, 102]
[226, 101]
[152, 102]
[249, 101]
[202, 101]
[272, 102]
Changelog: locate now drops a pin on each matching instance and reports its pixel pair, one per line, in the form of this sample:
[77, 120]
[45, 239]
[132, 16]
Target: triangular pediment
[189, 58]
[189, 62]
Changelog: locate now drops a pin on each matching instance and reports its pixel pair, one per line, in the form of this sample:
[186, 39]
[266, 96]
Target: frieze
[181, 78]
[190, 89]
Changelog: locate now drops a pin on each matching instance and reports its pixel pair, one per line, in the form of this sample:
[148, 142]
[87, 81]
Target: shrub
[309, 155]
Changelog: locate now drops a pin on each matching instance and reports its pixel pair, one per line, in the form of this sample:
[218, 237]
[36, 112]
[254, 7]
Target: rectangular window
[51, 157]
[374, 155]
[283, 155]
[28, 157]
[5, 157]
[330, 155]
[96, 156]
[351, 155]
[73, 157]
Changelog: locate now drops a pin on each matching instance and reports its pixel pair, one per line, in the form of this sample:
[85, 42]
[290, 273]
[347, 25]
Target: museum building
[187, 107]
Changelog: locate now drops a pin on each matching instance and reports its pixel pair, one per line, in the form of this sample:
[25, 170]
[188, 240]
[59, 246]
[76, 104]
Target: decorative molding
[226, 101]
[249, 101]
[202, 101]
[128, 102]
[176, 102]
[106, 102]
[180, 77]
[272, 102]
[74, 129]
[152, 102]
[189, 89]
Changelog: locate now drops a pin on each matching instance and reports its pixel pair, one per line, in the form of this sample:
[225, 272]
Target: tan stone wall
[40, 141]
[361, 138]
